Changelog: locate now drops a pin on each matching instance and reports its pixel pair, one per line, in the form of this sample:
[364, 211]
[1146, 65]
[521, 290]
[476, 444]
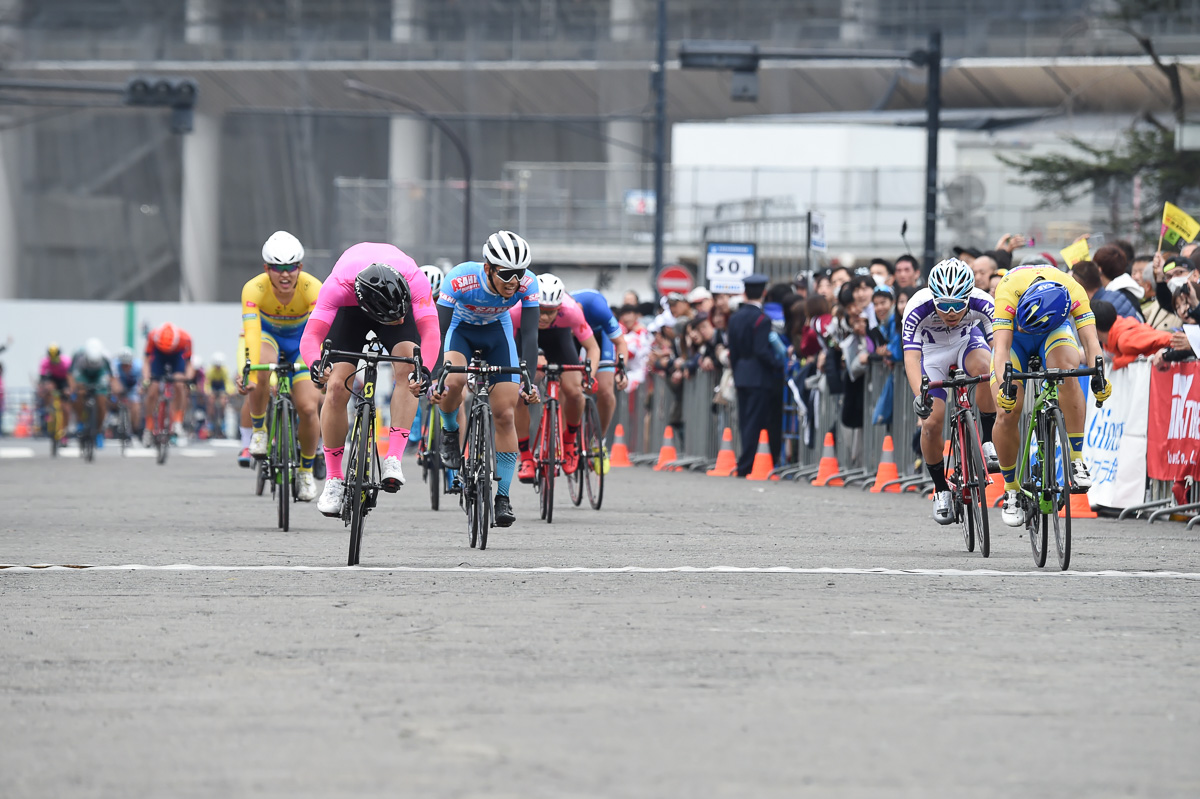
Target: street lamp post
[358, 87]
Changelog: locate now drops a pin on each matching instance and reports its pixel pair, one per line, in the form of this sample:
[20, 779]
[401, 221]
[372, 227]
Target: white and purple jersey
[465, 290]
[923, 328]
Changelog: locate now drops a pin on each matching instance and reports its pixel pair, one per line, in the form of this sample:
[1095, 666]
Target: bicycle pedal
[1079, 490]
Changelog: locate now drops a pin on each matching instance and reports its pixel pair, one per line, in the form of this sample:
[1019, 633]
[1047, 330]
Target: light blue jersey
[465, 290]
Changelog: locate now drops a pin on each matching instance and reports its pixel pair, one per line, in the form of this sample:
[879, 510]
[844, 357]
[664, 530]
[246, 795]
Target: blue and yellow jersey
[263, 312]
[1017, 281]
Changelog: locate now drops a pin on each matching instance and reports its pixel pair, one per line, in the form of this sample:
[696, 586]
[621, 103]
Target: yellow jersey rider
[275, 307]
[1039, 310]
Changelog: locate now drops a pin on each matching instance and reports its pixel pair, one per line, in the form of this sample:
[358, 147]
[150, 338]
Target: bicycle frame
[961, 408]
[554, 373]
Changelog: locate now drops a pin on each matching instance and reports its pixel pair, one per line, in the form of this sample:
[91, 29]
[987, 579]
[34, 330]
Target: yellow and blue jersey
[264, 317]
[1014, 284]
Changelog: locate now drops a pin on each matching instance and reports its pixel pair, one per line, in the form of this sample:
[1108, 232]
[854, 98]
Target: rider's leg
[1005, 436]
[151, 405]
[334, 421]
[305, 396]
[1062, 354]
[504, 400]
[452, 399]
[933, 443]
[606, 400]
[261, 393]
[572, 405]
[403, 405]
[245, 423]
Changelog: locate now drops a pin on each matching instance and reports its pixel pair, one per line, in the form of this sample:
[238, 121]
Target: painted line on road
[197, 453]
[184, 567]
[16, 452]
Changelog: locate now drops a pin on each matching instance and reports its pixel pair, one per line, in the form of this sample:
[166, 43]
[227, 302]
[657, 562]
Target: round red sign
[674, 278]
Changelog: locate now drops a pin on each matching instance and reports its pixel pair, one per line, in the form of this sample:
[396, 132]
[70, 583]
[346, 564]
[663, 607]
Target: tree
[1145, 151]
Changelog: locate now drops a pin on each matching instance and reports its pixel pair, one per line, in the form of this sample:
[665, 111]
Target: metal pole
[382, 94]
[660, 126]
[933, 106]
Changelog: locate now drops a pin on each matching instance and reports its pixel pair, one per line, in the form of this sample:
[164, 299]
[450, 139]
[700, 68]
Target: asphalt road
[243, 661]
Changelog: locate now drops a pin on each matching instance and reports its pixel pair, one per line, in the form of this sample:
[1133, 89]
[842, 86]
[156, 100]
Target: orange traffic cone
[887, 470]
[620, 453]
[1081, 508]
[763, 462]
[828, 465]
[995, 490]
[666, 453]
[24, 428]
[726, 460]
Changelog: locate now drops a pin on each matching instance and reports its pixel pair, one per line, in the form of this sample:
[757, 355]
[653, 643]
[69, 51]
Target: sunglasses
[509, 275]
[285, 267]
[948, 305]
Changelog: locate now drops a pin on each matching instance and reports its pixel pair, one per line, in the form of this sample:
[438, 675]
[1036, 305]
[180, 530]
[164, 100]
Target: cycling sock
[523, 445]
[177, 417]
[246, 433]
[449, 420]
[506, 463]
[988, 421]
[1076, 444]
[1010, 477]
[333, 462]
[397, 441]
[258, 422]
[937, 472]
[306, 461]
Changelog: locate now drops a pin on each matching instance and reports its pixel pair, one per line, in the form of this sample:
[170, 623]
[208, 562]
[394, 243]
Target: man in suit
[757, 374]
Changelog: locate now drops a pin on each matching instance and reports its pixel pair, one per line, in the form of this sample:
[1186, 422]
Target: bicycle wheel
[260, 477]
[593, 466]
[52, 428]
[1062, 496]
[357, 487]
[88, 440]
[1035, 520]
[283, 463]
[575, 481]
[433, 463]
[483, 476]
[956, 474]
[162, 436]
[125, 425]
[549, 464]
[469, 477]
[975, 487]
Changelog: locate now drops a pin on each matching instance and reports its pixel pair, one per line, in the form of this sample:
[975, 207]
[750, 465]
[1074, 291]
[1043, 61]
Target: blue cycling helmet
[1043, 307]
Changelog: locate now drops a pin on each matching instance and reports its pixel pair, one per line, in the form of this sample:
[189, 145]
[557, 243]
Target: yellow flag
[1076, 252]
[1175, 219]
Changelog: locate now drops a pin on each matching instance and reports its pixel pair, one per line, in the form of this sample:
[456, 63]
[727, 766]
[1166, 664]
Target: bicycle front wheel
[283, 467]
[1037, 521]
[89, 430]
[956, 473]
[549, 464]
[975, 487]
[593, 464]
[356, 493]
[482, 446]
[1062, 496]
[433, 460]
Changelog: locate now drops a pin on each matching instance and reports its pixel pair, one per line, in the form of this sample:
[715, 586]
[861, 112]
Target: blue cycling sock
[506, 464]
[449, 420]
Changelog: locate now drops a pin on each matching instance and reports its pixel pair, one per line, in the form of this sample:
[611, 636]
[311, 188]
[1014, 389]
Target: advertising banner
[1114, 445]
[1174, 422]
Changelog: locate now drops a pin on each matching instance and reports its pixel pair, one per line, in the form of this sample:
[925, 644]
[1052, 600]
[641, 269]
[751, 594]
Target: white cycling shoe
[1081, 478]
[392, 474]
[258, 444]
[1011, 511]
[943, 507]
[306, 487]
[330, 502]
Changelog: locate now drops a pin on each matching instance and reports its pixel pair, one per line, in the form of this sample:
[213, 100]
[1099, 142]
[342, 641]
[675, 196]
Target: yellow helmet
[52, 351]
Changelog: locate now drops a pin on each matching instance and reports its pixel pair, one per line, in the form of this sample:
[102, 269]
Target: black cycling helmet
[382, 293]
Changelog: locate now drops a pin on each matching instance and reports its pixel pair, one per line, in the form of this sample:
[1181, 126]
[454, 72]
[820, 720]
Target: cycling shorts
[558, 345]
[289, 347]
[159, 361]
[607, 351]
[493, 343]
[937, 360]
[1026, 344]
[351, 326]
[60, 383]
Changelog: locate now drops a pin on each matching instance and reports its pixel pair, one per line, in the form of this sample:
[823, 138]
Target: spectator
[723, 303]
[1156, 316]
[703, 347]
[1114, 276]
[1126, 249]
[984, 267]
[757, 375]
[773, 301]
[902, 297]
[863, 289]
[1087, 274]
[883, 272]
[839, 277]
[701, 300]
[966, 254]
[994, 281]
[907, 272]
[823, 286]
[816, 312]
[856, 352]
[1128, 339]
[800, 285]
[639, 340]
[887, 338]
[631, 298]
[1175, 277]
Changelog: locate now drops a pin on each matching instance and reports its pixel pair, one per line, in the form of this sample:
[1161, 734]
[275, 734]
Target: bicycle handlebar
[1056, 375]
[374, 356]
[482, 368]
[950, 382]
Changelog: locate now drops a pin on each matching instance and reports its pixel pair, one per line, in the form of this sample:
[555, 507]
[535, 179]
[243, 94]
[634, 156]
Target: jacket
[1118, 301]
[1128, 339]
[751, 356]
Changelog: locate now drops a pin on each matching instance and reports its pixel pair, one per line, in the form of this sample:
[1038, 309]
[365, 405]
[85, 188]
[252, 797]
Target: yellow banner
[1076, 252]
[1175, 219]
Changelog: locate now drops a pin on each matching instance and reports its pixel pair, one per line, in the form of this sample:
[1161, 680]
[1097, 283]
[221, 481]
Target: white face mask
[880, 280]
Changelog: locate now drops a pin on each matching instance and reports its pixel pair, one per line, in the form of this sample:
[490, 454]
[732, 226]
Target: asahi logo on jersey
[465, 283]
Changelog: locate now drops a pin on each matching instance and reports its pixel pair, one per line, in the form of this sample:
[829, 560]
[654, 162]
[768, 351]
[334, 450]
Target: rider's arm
[912, 370]
[1001, 351]
[445, 314]
[593, 354]
[528, 341]
[252, 320]
[429, 324]
[1091, 344]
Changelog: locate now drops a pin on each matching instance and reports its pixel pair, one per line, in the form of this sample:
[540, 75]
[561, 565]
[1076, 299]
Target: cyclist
[611, 339]
[559, 319]
[90, 369]
[166, 346]
[373, 287]
[126, 378]
[1039, 311]
[473, 311]
[218, 387]
[53, 374]
[275, 307]
[947, 324]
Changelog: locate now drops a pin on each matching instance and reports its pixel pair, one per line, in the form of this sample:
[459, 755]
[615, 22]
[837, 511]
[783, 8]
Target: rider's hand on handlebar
[1006, 397]
[922, 406]
[319, 376]
[242, 386]
[1104, 392]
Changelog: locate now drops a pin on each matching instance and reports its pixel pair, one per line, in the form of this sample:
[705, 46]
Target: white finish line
[185, 567]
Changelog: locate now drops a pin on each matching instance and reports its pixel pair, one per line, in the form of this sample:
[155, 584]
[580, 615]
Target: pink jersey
[338, 292]
[570, 315]
[57, 369]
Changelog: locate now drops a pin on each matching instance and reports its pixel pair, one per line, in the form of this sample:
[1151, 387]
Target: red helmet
[167, 338]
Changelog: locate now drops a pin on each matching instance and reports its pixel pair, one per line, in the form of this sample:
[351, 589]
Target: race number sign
[726, 265]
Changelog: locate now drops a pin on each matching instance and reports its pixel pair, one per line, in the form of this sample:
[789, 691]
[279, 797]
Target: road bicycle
[437, 477]
[279, 468]
[966, 466]
[161, 429]
[548, 446]
[54, 420]
[124, 427]
[1043, 475]
[361, 491]
[592, 453]
[479, 456]
[89, 425]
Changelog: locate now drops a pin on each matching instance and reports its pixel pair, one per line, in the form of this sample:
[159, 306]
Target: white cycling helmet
[218, 359]
[282, 248]
[125, 355]
[952, 279]
[550, 290]
[93, 352]
[434, 274]
[506, 250]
